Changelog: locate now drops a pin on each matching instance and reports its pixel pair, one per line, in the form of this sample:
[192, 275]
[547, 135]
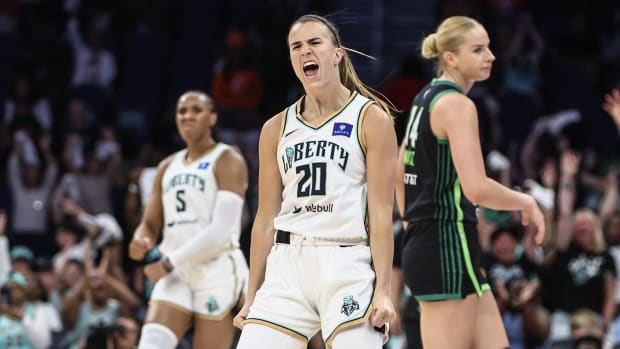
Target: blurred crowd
[87, 91]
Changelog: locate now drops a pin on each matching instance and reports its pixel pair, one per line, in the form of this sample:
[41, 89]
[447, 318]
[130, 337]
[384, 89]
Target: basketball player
[443, 171]
[324, 190]
[197, 198]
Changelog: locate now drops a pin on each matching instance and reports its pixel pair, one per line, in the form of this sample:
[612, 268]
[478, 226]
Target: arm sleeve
[37, 328]
[226, 221]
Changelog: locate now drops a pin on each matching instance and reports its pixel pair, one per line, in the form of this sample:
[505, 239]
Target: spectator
[21, 322]
[97, 300]
[26, 102]
[31, 180]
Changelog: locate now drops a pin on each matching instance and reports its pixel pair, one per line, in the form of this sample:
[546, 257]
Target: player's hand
[138, 247]
[241, 315]
[155, 271]
[532, 214]
[382, 310]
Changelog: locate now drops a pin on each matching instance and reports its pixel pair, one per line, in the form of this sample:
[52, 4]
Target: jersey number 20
[313, 180]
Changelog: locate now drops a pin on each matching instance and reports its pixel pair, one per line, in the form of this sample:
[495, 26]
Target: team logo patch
[349, 305]
[289, 151]
[203, 165]
[342, 129]
[212, 305]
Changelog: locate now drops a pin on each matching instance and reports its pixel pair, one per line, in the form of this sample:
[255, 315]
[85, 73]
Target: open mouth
[311, 69]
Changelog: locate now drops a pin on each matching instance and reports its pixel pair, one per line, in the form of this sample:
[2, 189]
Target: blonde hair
[447, 38]
[348, 75]
[599, 240]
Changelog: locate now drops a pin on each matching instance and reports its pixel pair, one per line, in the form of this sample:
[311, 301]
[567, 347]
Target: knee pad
[157, 336]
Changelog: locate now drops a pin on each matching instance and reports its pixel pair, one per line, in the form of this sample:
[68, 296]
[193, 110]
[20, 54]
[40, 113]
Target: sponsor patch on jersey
[204, 165]
[342, 129]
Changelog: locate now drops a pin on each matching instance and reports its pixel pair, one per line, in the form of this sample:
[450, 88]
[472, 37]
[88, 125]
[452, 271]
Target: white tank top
[188, 197]
[323, 171]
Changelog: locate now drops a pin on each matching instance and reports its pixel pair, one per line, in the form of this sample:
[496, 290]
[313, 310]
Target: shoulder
[452, 102]
[373, 114]
[273, 128]
[165, 163]
[231, 159]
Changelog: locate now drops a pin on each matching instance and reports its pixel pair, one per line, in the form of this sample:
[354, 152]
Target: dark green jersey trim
[437, 82]
[353, 95]
[464, 247]
[278, 325]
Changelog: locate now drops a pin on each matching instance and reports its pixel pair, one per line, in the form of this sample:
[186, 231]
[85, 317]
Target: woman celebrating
[325, 189]
[443, 171]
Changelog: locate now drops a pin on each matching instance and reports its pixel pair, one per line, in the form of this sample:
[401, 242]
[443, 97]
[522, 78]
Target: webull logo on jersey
[315, 149]
[320, 208]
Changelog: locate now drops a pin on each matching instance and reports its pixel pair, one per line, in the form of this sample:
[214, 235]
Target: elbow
[474, 193]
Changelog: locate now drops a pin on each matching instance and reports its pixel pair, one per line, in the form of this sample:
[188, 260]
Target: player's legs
[489, 332]
[213, 334]
[165, 325]
[363, 336]
[448, 323]
[256, 336]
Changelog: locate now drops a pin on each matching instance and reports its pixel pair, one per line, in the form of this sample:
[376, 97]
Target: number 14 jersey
[323, 172]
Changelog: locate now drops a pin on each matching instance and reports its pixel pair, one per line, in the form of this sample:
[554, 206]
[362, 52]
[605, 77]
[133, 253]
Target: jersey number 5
[412, 134]
[313, 180]
[180, 200]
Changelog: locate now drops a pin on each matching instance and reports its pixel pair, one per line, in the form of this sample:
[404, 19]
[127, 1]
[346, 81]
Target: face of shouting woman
[314, 54]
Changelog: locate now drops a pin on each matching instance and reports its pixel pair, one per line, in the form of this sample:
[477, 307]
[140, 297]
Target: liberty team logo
[349, 305]
[212, 305]
[342, 129]
[289, 152]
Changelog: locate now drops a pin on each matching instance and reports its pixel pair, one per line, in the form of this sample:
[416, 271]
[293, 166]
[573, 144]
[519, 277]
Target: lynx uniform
[319, 272]
[210, 287]
[441, 253]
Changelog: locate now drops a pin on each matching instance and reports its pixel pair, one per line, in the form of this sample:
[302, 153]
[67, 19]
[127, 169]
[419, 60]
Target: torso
[432, 187]
[188, 197]
[323, 173]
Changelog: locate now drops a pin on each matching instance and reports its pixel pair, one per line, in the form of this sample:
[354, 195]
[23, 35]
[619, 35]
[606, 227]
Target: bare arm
[609, 299]
[381, 154]
[400, 175]
[454, 116]
[149, 228]
[612, 106]
[610, 197]
[270, 199]
[569, 164]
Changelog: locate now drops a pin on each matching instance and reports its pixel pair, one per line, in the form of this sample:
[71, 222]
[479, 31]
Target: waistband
[288, 238]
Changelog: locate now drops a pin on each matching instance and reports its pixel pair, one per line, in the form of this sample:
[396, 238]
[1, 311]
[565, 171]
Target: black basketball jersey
[432, 187]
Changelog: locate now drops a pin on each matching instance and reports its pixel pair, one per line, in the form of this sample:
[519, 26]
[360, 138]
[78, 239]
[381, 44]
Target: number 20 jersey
[323, 172]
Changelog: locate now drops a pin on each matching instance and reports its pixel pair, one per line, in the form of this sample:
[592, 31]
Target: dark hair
[513, 231]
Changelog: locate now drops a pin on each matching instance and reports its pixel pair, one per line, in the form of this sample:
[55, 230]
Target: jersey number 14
[412, 134]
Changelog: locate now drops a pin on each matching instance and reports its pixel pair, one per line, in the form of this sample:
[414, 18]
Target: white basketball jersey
[323, 171]
[188, 196]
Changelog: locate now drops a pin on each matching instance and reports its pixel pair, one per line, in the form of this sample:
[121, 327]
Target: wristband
[167, 265]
